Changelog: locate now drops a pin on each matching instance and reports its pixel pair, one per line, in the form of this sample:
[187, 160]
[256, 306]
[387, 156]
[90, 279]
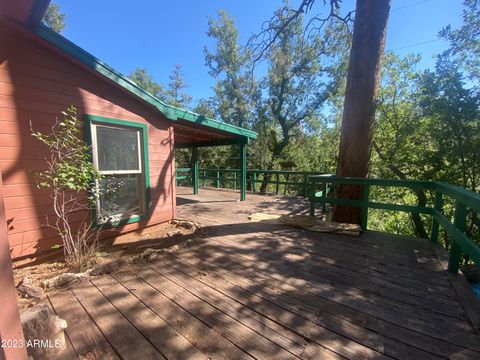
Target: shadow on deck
[256, 290]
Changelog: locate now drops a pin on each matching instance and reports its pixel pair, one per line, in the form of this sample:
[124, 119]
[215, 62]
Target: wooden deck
[263, 291]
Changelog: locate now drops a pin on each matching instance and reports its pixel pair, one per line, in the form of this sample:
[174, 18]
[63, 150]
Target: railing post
[364, 215]
[435, 226]
[217, 179]
[254, 181]
[460, 222]
[324, 195]
[285, 187]
[277, 179]
[195, 170]
[204, 178]
[305, 186]
[234, 180]
[311, 193]
[243, 172]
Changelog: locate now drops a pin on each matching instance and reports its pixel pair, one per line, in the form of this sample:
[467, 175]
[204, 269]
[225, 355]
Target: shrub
[70, 176]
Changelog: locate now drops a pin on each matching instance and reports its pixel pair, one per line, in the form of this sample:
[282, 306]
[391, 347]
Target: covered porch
[195, 132]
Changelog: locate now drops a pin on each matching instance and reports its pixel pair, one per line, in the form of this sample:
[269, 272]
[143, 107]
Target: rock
[153, 256]
[107, 268]
[139, 259]
[199, 226]
[173, 222]
[148, 252]
[43, 331]
[27, 290]
[174, 233]
[60, 280]
[186, 225]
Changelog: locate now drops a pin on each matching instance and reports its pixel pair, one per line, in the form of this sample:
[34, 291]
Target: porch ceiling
[191, 134]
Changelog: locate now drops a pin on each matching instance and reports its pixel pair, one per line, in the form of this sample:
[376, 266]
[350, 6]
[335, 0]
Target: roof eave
[170, 112]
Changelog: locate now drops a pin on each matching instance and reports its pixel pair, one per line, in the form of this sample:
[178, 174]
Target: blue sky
[158, 34]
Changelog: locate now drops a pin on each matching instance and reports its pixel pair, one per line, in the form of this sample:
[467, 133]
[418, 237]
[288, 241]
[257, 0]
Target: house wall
[37, 82]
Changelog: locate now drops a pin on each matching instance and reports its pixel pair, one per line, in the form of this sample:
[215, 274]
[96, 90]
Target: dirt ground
[124, 246]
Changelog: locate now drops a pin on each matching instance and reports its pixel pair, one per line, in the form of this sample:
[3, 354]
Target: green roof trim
[171, 112]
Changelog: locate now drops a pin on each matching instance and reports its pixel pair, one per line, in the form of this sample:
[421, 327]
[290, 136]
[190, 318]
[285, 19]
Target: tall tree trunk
[363, 80]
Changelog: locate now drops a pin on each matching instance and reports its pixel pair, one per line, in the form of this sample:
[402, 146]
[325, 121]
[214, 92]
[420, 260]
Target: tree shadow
[276, 292]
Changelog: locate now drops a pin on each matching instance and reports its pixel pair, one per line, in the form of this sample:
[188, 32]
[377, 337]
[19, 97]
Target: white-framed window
[118, 154]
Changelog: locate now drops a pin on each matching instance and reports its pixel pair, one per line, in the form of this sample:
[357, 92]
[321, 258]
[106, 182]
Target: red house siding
[36, 83]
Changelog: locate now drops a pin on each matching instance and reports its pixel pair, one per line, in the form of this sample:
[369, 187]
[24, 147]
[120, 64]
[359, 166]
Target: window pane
[117, 149]
[120, 195]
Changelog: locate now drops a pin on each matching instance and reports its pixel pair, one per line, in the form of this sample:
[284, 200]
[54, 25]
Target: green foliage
[454, 113]
[465, 41]
[54, 18]
[172, 94]
[302, 77]
[427, 126]
[235, 90]
[70, 176]
[70, 167]
[288, 107]
[143, 78]
[176, 95]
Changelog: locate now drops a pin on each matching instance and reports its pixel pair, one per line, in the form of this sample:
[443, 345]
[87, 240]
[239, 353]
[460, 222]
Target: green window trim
[95, 119]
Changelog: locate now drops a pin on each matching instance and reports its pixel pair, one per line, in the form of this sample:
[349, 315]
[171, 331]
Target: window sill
[121, 221]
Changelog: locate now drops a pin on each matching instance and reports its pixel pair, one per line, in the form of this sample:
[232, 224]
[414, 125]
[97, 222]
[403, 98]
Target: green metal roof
[170, 112]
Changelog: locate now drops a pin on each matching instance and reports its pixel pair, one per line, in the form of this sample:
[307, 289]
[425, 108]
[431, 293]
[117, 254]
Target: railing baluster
[324, 195]
[460, 222]
[311, 192]
[364, 215]
[234, 180]
[435, 225]
[305, 186]
[254, 181]
[217, 180]
[277, 179]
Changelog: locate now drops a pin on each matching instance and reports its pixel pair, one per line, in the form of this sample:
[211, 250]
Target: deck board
[257, 290]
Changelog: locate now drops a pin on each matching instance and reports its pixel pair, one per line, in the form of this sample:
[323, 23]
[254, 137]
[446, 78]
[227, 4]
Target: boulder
[43, 331]
[61, 280]
[174, 233]
[186, 225]
[148, 251]
[107, 268]
[153, 256]
[27, 290]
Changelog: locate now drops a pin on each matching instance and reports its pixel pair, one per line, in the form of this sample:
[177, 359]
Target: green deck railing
[318, 187]
[282, 180]
[463, 200]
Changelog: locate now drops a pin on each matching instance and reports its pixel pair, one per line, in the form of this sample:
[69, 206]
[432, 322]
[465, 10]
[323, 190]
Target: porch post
[243, 171]
[195, 169]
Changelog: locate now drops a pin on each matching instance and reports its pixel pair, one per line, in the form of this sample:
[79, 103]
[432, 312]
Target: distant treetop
[54, 18]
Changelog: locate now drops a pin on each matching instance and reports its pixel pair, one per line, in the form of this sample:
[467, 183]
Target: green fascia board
[37, 12]
[220, 142]
[171, 112]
